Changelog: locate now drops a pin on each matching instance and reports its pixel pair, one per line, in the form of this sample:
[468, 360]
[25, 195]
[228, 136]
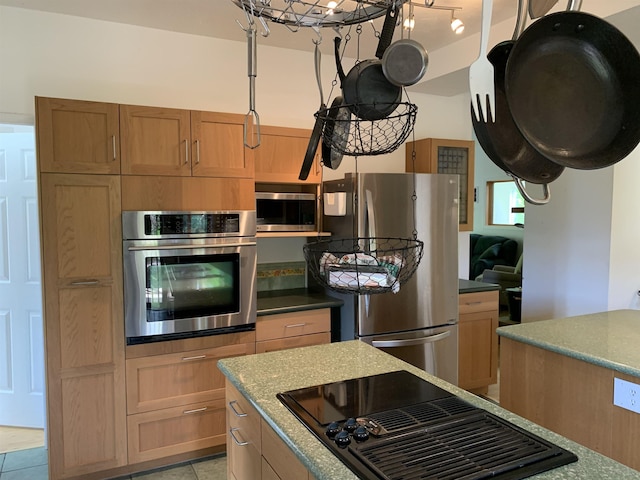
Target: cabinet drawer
[280, 457]
[477, 302]
[285, 325]
[176, 430]
[243, 436]
[164, 381]
[293, 342]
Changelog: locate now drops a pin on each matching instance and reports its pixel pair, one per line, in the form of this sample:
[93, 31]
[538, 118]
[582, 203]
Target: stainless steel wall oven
[188, 273]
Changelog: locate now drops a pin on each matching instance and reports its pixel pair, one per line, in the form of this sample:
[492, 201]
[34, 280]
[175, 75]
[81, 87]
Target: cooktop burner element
[401, 427]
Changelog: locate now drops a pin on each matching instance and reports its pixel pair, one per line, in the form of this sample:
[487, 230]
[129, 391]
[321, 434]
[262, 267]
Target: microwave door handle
[192, 247]
[411, 341]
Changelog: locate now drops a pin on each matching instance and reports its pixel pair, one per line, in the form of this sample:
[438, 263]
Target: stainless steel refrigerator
[419, 323]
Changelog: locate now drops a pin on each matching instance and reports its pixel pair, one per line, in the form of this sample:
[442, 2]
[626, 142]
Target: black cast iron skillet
[572, 84]
[316, 133]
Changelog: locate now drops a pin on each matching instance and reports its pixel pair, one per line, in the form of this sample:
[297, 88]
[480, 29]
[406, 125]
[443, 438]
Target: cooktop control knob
[343, 439]
[360, 434]
[333, 429]
[350, 425]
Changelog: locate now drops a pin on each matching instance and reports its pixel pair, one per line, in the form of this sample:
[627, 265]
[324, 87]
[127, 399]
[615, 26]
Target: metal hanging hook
[319, 35]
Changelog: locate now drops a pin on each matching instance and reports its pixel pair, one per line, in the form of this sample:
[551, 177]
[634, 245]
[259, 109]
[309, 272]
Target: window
[505, 205]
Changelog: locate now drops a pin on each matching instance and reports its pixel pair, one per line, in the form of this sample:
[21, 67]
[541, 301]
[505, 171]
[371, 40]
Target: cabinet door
[84, 325]
[218, 146]
[436, 155]
[243, 437]
[281, 458]
[75, 136]
[478, 340]
[279, 157]
[155, 141]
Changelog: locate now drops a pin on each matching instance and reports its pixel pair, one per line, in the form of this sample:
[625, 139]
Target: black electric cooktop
[401, 427]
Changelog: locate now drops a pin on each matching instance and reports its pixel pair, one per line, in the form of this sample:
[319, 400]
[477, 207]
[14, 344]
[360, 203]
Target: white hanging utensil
[481, 85]
[539, 8]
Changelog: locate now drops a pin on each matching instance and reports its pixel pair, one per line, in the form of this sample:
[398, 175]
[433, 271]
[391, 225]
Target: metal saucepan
[572, 87]
[365, 88]
[316, 133]
[502, 141]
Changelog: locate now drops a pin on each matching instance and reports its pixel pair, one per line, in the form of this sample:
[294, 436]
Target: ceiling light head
[456, 24]
[409, 23]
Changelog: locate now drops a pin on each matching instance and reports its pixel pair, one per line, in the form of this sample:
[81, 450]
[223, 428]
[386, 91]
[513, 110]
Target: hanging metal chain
[414, 195]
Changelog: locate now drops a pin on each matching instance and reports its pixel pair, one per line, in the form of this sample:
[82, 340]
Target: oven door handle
[191, 247]
[411, 341]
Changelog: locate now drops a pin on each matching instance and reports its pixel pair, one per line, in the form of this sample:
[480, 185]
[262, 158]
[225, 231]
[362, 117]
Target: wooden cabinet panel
[76, 136]
[437, 155]
[279, 157]
[244, 437]
[171, 431]
[478, 340]
[270, 327]
[84, 326]
[293, 342]
[625, 423]
[218, 149]
[267, 471]
[281, 458]
[155, 140]
[164, 381]
[187, 193]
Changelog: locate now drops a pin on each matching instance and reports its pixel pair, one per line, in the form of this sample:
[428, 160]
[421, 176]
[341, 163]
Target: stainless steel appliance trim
[193, 246]
[286, 228]
[284, 196]
[413, 341]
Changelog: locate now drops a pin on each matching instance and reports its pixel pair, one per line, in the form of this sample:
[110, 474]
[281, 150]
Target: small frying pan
[572, 87]
[316, 133]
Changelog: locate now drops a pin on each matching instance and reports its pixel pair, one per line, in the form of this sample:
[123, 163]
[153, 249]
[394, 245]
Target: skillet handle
[388, 27]
[529, 198]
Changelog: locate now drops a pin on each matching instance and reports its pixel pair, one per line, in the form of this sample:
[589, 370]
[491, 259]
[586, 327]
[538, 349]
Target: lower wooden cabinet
[290, 330]
[478, 340]
[254, 450]
[175, 401]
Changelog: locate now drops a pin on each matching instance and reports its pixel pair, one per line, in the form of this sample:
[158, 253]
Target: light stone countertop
[260, 377]
[608, 339]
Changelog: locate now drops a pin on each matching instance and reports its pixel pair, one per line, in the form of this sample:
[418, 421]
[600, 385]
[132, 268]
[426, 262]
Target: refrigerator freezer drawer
[434, 350]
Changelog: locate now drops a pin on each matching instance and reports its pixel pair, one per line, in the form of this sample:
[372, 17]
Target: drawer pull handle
[293, 325]
[239, 443]
[186, 152]
[85, 282]
[195, 410]
[473, 303]
[236, 412]
[197, 357]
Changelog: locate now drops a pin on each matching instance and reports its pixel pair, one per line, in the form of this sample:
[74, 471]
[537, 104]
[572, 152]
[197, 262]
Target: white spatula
[481, 86]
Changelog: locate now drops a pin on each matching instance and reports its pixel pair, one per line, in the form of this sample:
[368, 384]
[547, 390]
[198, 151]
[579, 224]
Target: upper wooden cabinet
[76, 136]
[279, 157]
[436, 155]
[169, 141]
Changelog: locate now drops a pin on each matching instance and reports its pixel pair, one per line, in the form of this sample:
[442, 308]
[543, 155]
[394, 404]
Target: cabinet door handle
[236, 412]
[239, 443]
[473, 303]
[293, 325]
[85, 282]
[196, 357]
[186, 152]
[197, 151]
[113, 146]
[195, 410]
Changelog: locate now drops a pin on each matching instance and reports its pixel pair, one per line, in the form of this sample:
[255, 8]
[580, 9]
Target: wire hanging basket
[356, 137]
[365, 265]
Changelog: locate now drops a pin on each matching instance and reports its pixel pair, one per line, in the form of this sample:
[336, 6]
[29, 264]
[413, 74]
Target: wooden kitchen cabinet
[436, 155]
[175, 142]
[175, 401]
[254, 450]
[279, 157]
[291, 330]
[478, 340]
[84, 327]
[75, 136]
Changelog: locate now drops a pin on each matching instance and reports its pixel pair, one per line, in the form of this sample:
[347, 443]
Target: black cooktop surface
[401, 427]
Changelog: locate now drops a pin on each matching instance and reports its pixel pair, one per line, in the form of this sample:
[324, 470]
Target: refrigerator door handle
[411, 341]
[371, 220]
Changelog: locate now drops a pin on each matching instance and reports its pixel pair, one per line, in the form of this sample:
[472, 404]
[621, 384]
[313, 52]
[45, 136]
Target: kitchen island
[560, 373]
[258, 378]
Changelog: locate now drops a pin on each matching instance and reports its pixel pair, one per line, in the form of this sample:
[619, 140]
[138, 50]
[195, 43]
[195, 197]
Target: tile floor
[31, 464]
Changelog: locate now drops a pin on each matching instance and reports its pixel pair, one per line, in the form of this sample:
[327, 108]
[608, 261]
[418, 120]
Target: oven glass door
[181, 287]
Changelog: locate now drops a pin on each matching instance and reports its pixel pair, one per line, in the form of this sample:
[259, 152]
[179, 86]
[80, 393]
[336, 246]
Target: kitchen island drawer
[171, 380]
[478, 302]
[271, 327]
[172, 431]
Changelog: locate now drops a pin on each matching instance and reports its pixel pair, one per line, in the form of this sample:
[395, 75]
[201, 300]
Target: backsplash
[281, 276]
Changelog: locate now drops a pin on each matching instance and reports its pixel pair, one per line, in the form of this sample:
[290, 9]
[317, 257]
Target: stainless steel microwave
[285, 212]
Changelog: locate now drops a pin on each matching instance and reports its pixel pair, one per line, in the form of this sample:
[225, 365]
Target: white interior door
[21, 329]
